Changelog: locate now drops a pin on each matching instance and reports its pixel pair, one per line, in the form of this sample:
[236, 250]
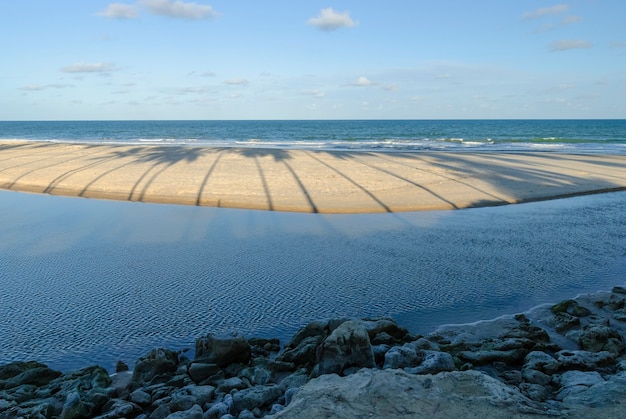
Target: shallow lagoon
[89, 282]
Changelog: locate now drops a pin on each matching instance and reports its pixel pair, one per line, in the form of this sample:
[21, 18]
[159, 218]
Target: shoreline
[304, 180]
[562, 360]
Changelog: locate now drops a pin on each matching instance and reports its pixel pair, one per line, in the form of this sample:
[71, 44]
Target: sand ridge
[303, 180]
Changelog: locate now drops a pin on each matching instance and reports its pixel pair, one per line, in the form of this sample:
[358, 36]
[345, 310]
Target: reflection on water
[86, 281]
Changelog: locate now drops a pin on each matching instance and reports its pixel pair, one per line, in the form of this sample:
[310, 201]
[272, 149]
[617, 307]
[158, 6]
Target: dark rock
[233, 383]
[570, 307]
[195, 412]
[37, 376]
[121, 367]
[483, 357]
[303, 354]
[597, 338]
[584, 360]
[564, 322]
[200, 371]
[388, 326]
[140, 397]
[158, 365]
[223, 350]
[619, 290]
[347, 346]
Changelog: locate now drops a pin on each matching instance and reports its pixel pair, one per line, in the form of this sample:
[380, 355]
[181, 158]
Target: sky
[331, 59]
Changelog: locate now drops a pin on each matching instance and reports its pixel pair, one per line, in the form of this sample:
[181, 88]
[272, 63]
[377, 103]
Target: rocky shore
[565, 360]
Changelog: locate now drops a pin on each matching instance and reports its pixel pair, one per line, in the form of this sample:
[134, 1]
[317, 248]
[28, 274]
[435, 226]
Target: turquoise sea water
[578, 136]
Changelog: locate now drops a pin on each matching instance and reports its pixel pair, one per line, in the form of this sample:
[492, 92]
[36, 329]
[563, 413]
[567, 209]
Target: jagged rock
[583, 360]
[16, 374]
[572, 382]
[197, 394]
[394, 393]
[159, 364]
[597, 338]
[535, 392]
[256, 375]
[303, 354]
[117, 408]
[347, 346]
[604, 399]
[563, 322]
[483, 357]
[223, 350]
[619, 290]
[258, 396]
[385, 330]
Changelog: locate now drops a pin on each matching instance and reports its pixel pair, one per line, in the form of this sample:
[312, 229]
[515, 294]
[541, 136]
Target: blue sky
[359, 59]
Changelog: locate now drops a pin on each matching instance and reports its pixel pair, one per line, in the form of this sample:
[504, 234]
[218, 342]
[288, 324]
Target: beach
[303, 180]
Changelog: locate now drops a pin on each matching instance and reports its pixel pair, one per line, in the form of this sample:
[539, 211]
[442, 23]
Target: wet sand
[301, 180]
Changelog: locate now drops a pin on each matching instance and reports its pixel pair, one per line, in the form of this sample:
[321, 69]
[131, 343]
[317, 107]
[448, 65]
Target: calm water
[87, 281]
[579, 136]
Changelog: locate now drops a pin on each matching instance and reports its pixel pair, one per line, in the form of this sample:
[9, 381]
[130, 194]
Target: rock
[604, 399]
[276, 408]
[303, 354]
[483, 357]
[217, 411]
[433, 363]
[619, 290]
[256, 375]
[117, 408]
[570, 307]
[233, 383]
[579, 378]
[394, 393]
[402, 357]
[258, 396]
[223, 350]
[246, 414]
[121, 367]
[597, 338]
[535, 392]
[384, 330]
[200, 371]
[195, 412]
[16, 374]
[140, 397]
[583, 360]
[347, 346]
[197, 394]
[563, 322]
[75, 408]
[158, 365]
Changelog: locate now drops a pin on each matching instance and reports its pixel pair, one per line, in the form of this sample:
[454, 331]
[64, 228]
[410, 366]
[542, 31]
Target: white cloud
[89, 68]
[546, 11]
[364, 81]
[315, 92]
[120, 11]
[236, 82]
[329, 20]
[179, 9]
[569, 44]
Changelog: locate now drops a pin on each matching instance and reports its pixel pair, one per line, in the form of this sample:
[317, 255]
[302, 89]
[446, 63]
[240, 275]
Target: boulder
[256, 397]
[223, 350]
[394, 393]
[402, 357]
[433, 363]
[348, 346]
[159, 365]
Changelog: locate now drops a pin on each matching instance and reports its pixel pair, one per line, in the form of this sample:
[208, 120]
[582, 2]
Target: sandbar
[303, 180]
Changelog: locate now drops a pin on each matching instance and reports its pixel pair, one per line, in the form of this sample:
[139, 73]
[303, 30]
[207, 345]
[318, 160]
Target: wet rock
[570, 307]
[348, 346]
[121, 367]
[384, 330]
[159, 365]
[597, 338]
[619, 290]
[483, 357]
[223, 350]
[563, 322]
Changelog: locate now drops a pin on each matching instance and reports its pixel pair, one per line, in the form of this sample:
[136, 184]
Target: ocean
[84, 281]
[569, 136]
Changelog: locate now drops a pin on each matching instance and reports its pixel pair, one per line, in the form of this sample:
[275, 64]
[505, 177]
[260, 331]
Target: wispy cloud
[329, 20]
[120, 11]
[618, 44]
[568, 20]
[37, 87]
[568, 44]
[546, 11]
[236, 82]
[179, 9]
[89, 68]
[175, 9]
[364, 81]
[315, 92]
